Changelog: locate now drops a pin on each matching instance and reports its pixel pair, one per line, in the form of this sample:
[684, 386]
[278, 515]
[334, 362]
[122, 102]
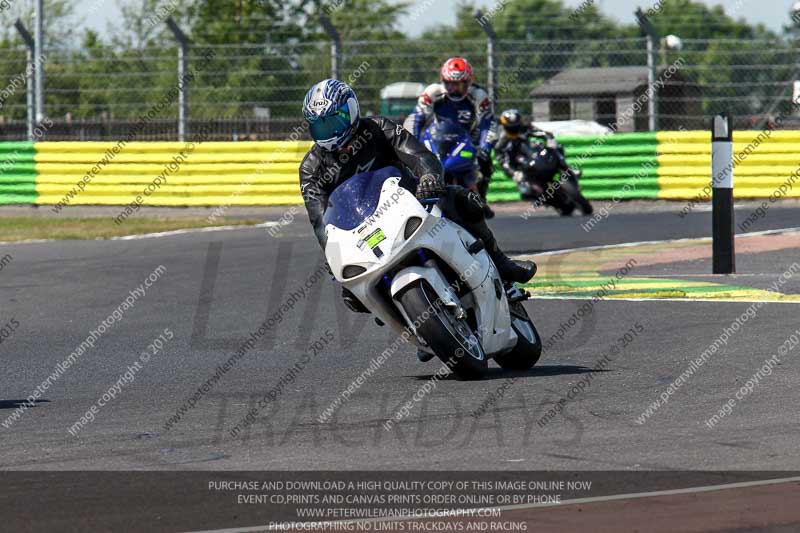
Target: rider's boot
[467, 208]
[509, 270]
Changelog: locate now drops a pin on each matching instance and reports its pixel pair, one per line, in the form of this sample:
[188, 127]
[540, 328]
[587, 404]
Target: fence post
[336, 44]
[491, 68]
[183, 82]
[652, 67]
[39, 61]
[724, 260]
[30, 80]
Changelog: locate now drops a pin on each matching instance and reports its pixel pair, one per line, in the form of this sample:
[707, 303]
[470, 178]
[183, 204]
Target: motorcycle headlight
[412, 225]
[351, 271]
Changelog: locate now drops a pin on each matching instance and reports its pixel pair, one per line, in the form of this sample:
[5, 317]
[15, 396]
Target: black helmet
[511, 120]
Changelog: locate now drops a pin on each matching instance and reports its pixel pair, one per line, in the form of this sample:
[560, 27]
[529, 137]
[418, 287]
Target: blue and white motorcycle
[453, 146]
[423, 274]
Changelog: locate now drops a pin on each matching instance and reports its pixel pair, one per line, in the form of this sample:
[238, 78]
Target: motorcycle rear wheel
[450, 338]
[561, 201]
[578, 198]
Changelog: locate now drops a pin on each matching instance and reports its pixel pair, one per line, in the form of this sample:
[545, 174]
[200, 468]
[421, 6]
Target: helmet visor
[330, 126]
[457, 89]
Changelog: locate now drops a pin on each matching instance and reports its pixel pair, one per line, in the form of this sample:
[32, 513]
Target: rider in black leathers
[375, 143]
[514, 145]
[513, 140]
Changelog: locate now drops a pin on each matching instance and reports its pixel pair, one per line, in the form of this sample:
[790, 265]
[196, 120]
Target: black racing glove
[429, 187]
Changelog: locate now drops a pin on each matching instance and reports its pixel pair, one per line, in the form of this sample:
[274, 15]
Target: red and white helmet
[457, 77]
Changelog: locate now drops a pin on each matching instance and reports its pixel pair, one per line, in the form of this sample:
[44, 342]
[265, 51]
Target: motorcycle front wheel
[528, 349]
[450, 338]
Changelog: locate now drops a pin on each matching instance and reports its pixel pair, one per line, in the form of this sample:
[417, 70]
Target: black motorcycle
[547, 179]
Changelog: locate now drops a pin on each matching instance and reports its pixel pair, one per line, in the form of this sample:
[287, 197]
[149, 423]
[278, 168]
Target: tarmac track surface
[217, 288]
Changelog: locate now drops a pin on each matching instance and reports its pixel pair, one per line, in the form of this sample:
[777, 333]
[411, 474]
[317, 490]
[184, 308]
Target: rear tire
[528, 349]
[585, 205]
[451, 339]
[563, 204]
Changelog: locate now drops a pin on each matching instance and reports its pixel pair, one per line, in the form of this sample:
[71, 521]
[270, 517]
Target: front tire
[574, 195]
[450, 338]
[528, 349]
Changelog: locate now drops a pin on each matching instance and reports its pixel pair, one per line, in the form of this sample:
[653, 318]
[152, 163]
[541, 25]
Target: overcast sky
[772, 13]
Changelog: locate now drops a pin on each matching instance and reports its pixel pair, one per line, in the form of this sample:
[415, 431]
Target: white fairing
[379, 246]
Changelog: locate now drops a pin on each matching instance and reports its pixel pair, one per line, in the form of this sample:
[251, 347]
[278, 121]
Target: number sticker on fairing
[375, 238]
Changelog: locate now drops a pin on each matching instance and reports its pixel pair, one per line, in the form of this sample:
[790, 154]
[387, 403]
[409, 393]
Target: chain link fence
[248, 92]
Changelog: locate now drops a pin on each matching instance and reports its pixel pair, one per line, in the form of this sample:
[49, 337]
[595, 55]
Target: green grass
[27, 228]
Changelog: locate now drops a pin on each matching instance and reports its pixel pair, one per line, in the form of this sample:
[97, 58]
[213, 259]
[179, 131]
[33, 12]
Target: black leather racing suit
[551, 160]
[508, 149]
[378, 143]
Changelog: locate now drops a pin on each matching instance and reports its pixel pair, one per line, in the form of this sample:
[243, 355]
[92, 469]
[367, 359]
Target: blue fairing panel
[357, 198]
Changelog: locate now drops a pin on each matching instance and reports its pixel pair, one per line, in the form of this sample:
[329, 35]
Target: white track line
[655, 278]
[668, 241]
[271, 224]
[576, 501]
[151, 235]
[190, 230]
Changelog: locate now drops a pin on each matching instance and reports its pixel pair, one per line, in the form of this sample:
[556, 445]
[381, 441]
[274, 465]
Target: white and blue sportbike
[419, 272]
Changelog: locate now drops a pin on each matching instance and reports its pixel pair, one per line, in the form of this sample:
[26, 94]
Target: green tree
[60, 22]
[143, 23]
[690, 19]
[362, 20]
[59, 27]
[373, 50]
[731, 59]
[537, 40]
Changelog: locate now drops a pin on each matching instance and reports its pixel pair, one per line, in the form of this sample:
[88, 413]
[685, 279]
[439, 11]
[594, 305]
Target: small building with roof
[617, 95]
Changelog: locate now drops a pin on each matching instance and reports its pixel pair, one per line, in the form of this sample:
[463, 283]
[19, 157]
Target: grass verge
[28, 228]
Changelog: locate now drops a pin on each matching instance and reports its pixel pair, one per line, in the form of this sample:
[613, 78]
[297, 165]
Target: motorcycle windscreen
[447, 135]
[357, 198]
[444, 148]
